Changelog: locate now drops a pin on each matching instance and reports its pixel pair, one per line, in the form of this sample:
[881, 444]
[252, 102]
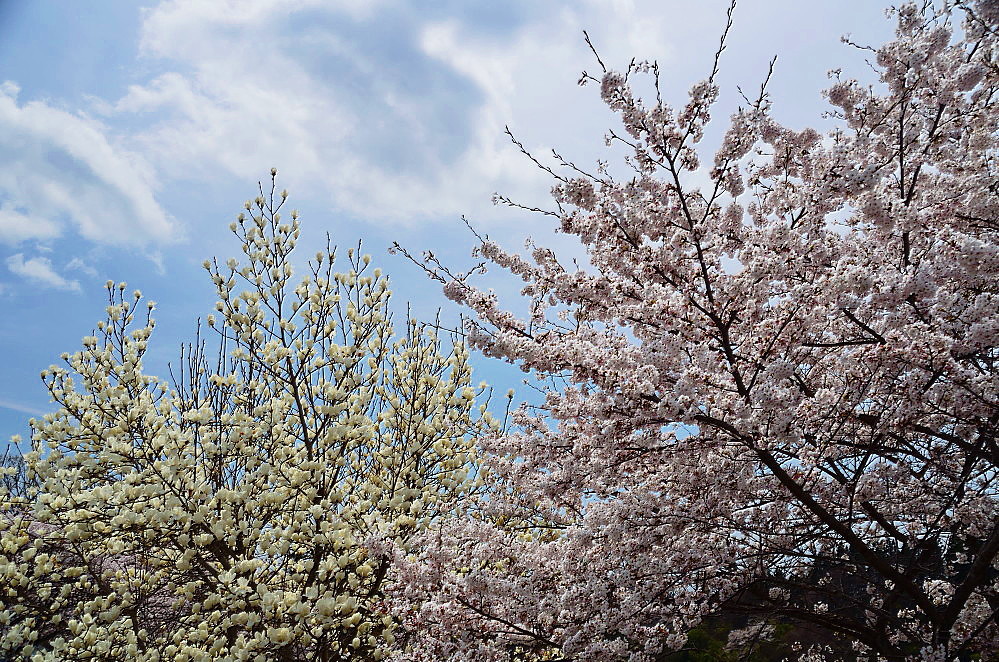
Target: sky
[131, 133]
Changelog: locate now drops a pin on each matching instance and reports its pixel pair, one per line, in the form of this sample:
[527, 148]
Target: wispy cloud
[39, 270]
[63, 170]
[16, 226]
[76, 264]
[24, 409]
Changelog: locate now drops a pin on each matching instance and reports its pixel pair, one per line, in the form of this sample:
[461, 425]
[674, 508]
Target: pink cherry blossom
[808, 436]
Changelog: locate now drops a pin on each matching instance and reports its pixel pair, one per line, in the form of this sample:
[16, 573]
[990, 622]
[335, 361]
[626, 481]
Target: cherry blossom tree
[774, 387]
[237, 513]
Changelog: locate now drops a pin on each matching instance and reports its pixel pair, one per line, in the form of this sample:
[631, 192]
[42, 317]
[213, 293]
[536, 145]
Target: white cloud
[39, 270]
[76, 264]
[16, 226]
[390, 130]
[63, 170]
[397, 109]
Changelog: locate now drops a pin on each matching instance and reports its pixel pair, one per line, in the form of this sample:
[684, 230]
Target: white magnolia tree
[778, 394]
[237, 513]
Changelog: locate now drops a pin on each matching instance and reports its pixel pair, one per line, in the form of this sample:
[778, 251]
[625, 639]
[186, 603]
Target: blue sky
[131, 133]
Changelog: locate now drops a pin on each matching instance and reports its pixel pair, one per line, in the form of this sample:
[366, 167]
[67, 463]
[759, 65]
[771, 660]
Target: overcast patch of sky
[133, 134]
